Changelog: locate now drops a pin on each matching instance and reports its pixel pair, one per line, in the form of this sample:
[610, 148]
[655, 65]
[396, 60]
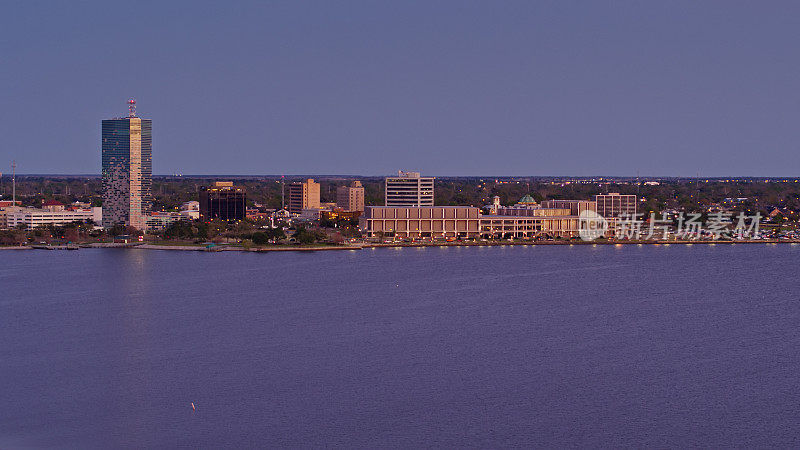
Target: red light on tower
[131, 108]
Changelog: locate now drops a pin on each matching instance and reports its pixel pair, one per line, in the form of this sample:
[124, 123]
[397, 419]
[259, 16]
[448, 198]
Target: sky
[461, 88]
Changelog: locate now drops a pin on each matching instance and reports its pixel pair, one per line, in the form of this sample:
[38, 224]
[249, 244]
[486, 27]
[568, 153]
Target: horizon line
[583, 177]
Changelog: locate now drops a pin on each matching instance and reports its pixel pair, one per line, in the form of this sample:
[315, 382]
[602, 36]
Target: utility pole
[13, 183]
[283, 197]
[637, 183]
[697, 188]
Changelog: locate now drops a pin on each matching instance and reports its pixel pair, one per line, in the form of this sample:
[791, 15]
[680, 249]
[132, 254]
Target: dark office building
[223, 201]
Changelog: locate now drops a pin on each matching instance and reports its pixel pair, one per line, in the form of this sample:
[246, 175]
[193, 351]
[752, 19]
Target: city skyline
[446, 89]
[399, 224]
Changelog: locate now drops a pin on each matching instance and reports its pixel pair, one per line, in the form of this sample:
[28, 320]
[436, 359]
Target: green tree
[260, 238]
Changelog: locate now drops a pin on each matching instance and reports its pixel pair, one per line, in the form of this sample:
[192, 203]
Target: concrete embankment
[226, 248]
[195, 248]
[110, 245]
[495, 244]
[242, 249]
[306, 249]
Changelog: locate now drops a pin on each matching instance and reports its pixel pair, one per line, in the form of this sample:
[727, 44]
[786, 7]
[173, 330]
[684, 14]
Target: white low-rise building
[4, 211]
[156, 221]
[52, 213]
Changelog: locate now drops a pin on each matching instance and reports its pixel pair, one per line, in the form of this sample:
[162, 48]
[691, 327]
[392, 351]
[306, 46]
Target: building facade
[575, 207]
[157, 221]
[32, 218]
[127, 168]
[467, 222]
[191, 209]
[303, 195]
[408, 189]
[529, 227]
[615, 205]
[420, 222]
[223, 201]
[350, 198]
[4, 211]
[514, 211]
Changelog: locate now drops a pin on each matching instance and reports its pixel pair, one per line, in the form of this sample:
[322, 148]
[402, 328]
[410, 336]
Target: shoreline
[223, 248]
[568, 243]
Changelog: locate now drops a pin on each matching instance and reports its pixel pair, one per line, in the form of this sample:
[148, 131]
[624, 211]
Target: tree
[12, 237]
[276, 233]
[304, 236]
[260, 238]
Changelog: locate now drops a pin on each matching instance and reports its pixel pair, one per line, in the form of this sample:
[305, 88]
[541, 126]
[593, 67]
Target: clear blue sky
[445, 88]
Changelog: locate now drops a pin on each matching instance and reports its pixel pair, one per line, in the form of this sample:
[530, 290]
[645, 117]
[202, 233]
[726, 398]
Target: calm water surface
[667, 346]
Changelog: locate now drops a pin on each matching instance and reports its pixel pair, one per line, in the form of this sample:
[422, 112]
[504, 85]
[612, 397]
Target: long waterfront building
[524, 220]
[423, 221]
[464, 222]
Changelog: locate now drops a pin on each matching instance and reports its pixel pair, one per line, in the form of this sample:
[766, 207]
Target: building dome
[527, 199]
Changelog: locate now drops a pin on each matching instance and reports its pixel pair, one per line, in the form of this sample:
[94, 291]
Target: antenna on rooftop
[131, 108]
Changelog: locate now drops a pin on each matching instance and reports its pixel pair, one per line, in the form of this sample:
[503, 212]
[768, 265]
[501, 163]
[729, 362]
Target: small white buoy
[193, 408]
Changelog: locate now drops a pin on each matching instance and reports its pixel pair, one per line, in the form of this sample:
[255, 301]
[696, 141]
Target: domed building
[527, 202]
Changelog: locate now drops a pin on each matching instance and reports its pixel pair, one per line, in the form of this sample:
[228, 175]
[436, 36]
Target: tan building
[425, 221]
[350, 198]
[527, 227]
[4, 212]
[467, 222]
[303, 195]
[575, 207]
[531, 212]
[615, 205]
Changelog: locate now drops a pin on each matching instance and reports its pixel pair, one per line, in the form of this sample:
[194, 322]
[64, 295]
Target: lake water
[545, 346]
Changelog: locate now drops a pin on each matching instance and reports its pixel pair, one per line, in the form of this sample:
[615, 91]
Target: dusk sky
[444, 88]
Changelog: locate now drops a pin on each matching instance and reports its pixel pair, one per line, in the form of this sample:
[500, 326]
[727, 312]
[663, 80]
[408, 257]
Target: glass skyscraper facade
[127, 170]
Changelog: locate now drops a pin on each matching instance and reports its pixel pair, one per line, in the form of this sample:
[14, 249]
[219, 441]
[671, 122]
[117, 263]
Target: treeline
[246, 232]
[72, 232]
[689, 195]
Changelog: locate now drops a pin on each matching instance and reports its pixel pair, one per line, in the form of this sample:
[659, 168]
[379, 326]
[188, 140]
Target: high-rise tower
[127, 169]
[303, 196]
